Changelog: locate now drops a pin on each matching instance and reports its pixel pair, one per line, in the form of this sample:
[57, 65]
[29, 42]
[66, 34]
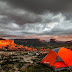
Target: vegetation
[25, 61]
[13, 63]
[39, 44]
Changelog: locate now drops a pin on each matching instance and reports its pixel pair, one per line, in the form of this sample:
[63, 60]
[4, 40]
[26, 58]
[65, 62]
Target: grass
[41, 68]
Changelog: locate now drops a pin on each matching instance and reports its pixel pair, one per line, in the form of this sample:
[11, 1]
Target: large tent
[58, 59]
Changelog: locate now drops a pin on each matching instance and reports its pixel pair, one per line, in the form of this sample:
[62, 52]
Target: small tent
[58, 59]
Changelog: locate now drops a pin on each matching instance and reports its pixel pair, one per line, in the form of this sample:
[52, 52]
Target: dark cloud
[24, 17]
[43, 5]
[18, 15]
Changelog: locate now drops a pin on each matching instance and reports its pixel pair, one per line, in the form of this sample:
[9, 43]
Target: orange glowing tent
[58, 59]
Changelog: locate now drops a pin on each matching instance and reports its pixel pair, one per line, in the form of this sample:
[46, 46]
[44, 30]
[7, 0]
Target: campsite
[19, 61]
[35, 35]
[15, 57]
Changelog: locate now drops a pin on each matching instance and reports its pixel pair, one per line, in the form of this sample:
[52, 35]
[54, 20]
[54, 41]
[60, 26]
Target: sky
[39, 18]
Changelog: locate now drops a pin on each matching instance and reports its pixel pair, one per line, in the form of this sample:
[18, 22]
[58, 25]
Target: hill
[30, 42]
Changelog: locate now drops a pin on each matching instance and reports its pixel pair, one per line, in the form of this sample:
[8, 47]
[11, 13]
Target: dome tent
[58, 59]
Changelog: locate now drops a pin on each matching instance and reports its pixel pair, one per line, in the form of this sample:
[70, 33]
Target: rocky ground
[20, 61]
[16, 61]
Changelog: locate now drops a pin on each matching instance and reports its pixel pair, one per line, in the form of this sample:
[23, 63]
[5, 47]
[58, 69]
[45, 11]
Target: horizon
[42, 37]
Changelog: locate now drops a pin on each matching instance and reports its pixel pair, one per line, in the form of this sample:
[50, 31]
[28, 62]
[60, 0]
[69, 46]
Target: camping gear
[58, 58]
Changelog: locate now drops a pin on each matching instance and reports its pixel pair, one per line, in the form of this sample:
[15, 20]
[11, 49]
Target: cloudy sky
[36, 17]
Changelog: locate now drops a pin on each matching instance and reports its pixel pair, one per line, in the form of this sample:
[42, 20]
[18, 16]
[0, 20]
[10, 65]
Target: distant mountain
[52, 40]
[57, 41]
[31, 42]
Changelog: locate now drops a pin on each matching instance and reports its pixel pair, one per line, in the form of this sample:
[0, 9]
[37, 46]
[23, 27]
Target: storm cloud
[43, 5]
[41, 17]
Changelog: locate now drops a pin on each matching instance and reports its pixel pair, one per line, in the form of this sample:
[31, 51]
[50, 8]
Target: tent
[58, 59]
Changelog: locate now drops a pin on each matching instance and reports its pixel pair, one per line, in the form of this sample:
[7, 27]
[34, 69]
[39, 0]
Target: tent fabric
[56, 50]
[58, 69]
[66, 55]
[60, 64]
[50, 58]
[58, 59]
